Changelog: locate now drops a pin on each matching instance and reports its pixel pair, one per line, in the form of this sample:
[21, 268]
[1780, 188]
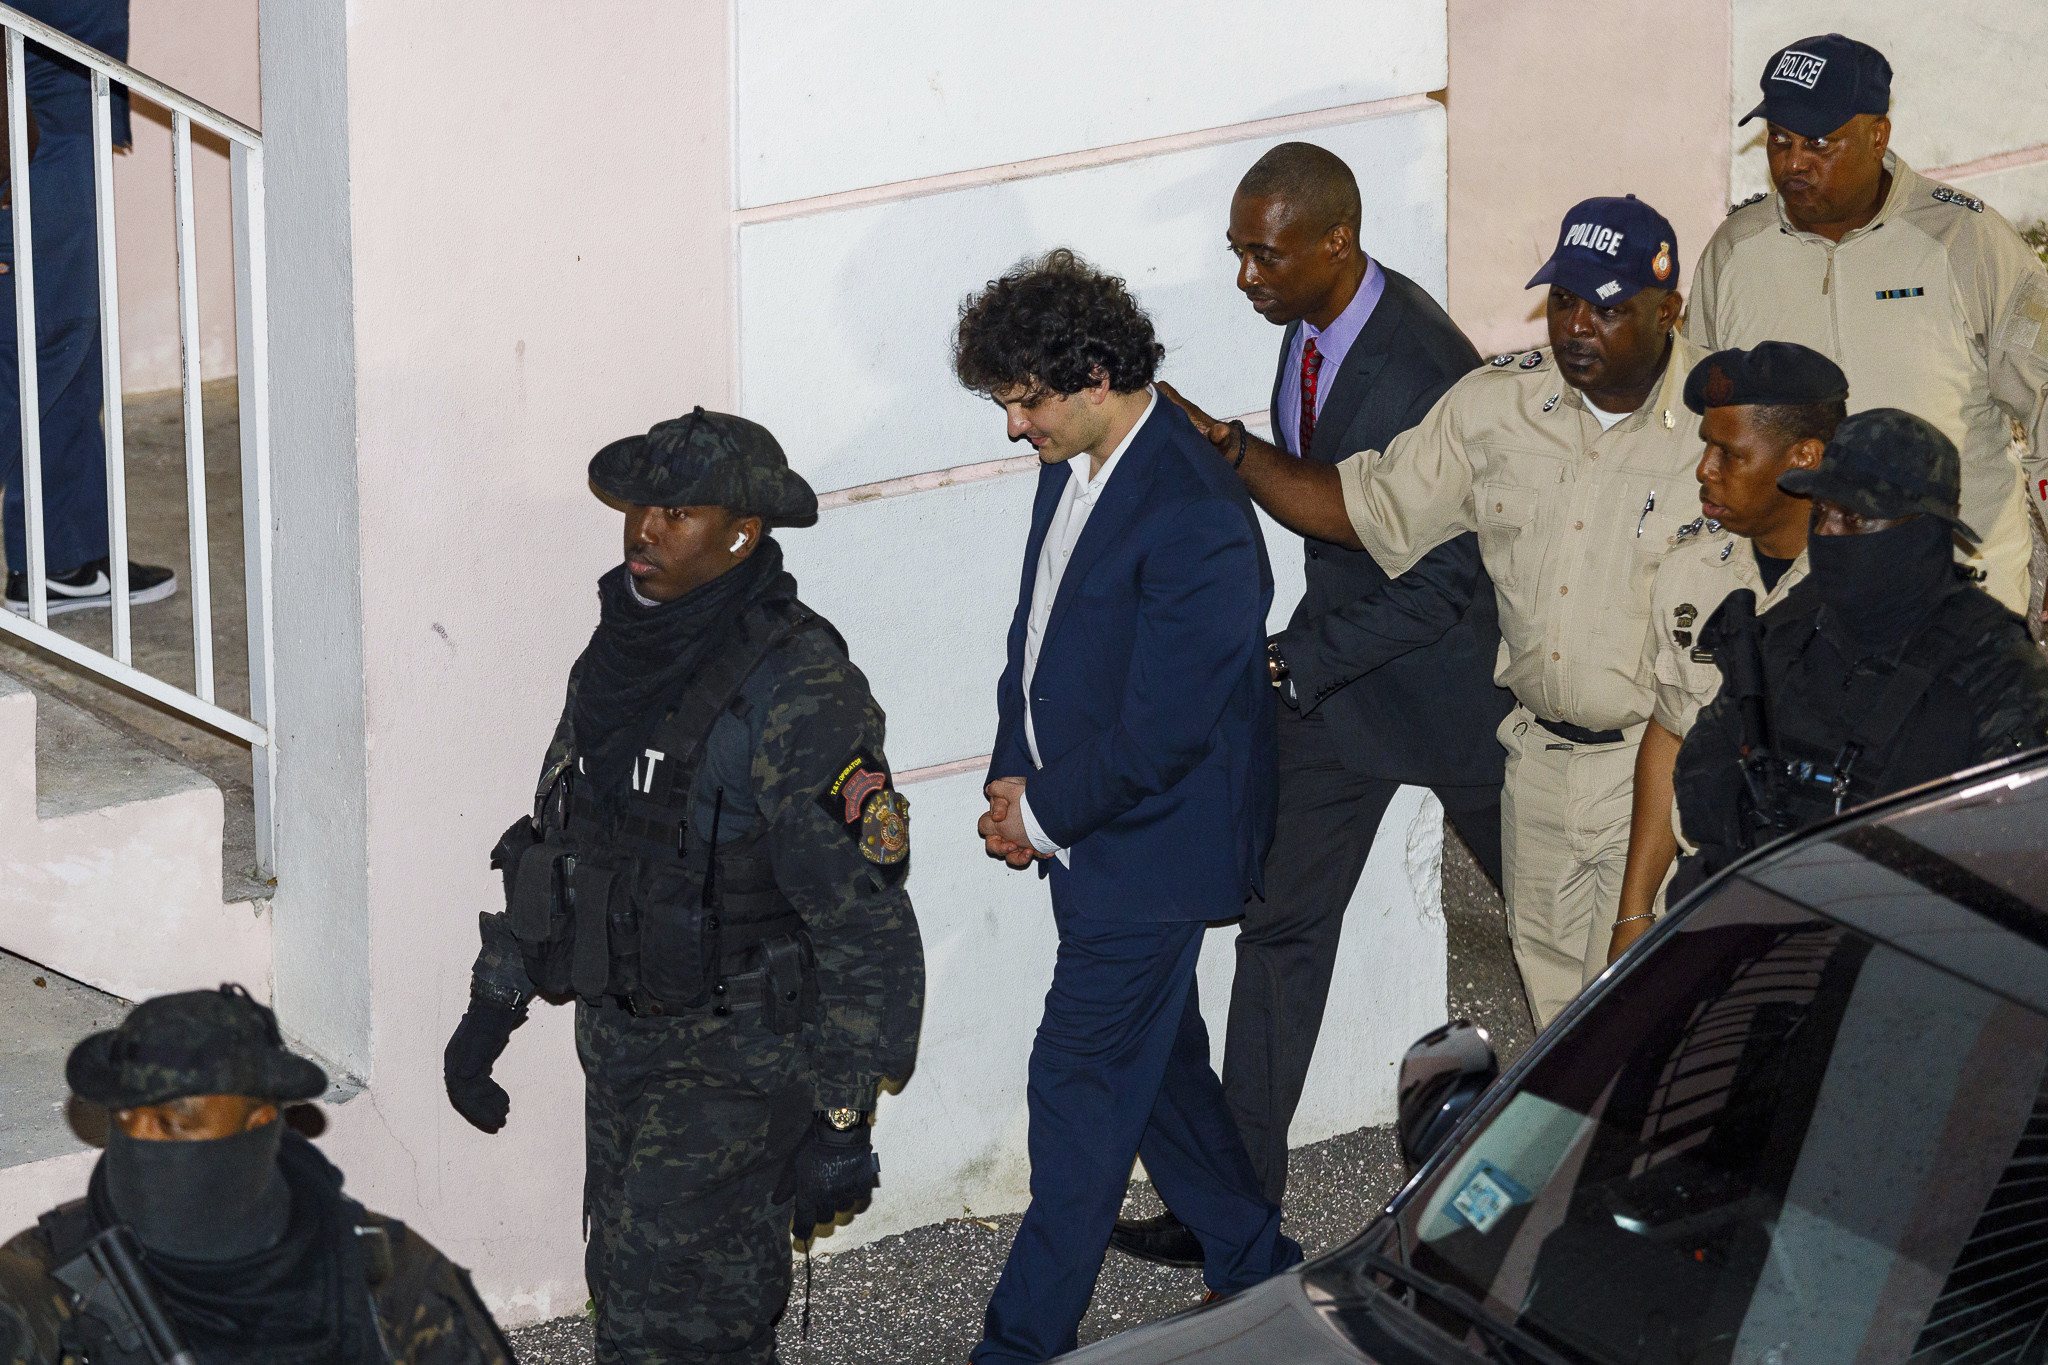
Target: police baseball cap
[1771, 373]
[1887, 463]
[1818, 84]
[705, 459]
[192, 1043]
[1612, 249]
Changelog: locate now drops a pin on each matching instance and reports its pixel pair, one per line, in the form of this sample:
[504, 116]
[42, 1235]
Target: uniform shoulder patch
[1949, 196]
[1532, 360]
[1756, 198]
[862, 801]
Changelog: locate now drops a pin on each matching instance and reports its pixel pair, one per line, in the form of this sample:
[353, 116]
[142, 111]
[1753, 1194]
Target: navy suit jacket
[1151, 702]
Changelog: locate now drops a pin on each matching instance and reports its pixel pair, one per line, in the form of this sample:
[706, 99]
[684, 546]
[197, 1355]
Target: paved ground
[917, 1298]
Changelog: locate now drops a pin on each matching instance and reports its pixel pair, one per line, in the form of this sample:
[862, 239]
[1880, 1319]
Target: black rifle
[113, 1290]
[1737, 638]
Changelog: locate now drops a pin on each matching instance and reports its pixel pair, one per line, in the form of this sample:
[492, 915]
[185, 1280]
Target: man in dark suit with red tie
[1383, 682]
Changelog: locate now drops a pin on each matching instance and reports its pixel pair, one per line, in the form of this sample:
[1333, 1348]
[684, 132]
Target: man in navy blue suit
[1135, 765]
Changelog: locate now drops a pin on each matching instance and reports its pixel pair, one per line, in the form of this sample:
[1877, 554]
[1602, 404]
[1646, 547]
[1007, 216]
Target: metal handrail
[245, 154]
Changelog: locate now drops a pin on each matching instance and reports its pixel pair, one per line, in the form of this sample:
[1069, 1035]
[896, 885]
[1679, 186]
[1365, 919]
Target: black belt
[1579, 734]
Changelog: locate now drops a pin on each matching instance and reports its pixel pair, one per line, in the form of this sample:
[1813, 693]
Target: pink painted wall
[1554, 101]
[542, 262]
[207, 49]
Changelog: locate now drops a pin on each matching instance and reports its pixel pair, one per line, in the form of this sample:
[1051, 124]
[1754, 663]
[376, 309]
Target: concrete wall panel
[1964, 86]
[833, 96]
[847, 317]
[923, 588]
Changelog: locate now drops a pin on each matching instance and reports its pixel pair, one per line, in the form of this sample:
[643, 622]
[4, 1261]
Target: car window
[1775, 1142]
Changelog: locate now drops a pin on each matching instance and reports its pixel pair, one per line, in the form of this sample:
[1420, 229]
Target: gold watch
[845, 1120]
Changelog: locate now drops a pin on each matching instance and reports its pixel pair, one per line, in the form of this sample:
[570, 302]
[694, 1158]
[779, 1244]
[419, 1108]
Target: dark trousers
[689, 1122]
[1287, 945]
[73, 445]
[1120, 1069]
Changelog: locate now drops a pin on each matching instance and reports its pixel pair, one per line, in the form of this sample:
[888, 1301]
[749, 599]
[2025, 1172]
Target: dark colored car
[1802, 1122]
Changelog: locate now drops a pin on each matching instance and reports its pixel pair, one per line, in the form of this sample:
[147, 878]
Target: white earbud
[739, 542]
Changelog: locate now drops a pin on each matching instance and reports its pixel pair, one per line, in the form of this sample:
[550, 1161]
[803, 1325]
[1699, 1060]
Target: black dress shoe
[1164, 1240]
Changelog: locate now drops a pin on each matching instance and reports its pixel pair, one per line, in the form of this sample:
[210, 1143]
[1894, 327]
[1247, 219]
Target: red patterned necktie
[1311, 364]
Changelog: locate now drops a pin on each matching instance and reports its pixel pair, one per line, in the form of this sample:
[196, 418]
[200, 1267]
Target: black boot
[1164, 1240]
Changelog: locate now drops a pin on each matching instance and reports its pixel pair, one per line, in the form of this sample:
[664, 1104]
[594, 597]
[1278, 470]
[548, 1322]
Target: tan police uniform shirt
[1572, 521]
[1706, 563]
[1935, 306]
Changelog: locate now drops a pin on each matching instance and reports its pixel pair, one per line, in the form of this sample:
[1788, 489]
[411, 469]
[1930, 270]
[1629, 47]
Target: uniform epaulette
[1949, 196]
[1689, 530]
[1527, 360]
[1756, 198]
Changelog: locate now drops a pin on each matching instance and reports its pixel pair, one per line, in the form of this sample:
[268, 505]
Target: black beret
[1886, 463]
[193, 1043]
[1771, 373]
[707, 459]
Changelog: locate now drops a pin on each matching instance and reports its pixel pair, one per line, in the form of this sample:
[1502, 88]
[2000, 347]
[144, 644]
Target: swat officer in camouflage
[714, 871]
[1886, 668]
[210, 1229]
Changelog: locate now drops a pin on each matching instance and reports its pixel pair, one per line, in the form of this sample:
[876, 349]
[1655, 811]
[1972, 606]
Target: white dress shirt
[1069, 519]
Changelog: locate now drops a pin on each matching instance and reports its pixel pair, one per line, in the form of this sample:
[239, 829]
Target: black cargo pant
[1287, 945]
[689, 1122]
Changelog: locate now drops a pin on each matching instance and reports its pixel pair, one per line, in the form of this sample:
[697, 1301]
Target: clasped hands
[1002, 829]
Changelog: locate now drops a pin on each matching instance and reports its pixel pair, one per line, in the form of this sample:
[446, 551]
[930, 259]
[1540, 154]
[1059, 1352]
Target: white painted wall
[1966, 84]
[868, 296]
[834, 97]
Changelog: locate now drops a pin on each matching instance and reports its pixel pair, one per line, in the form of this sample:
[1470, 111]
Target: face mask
[1881, 585]
[216, 1200]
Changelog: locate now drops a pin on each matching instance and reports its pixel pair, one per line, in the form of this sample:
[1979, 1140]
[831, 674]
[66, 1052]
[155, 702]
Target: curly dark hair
[1054, 325]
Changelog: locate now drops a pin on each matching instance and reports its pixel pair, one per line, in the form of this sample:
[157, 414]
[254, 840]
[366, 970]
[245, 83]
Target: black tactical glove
[466, 1064]
[832, 1172]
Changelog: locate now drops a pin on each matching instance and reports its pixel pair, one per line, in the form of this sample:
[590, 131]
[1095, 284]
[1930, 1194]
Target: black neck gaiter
[640, 657]
[202, 1201]
[300, 1300]
[1881, 585]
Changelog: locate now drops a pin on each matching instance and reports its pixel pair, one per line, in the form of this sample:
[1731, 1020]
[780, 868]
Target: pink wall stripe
[2004, 161]
[953, 769]
[1073, 161]
[961, 473]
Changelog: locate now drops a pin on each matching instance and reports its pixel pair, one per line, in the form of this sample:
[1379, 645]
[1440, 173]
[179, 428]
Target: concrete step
[110, 858]
[46, 1015]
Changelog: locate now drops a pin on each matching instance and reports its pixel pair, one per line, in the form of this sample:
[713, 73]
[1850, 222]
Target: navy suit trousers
[1120, 1069]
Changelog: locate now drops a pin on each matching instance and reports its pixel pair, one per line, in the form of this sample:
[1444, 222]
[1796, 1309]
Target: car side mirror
[1443, 1074]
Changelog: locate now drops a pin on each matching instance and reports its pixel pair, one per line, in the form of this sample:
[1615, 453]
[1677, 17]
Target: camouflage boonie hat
[707, 459]
[193, 1043]
[1887, 463]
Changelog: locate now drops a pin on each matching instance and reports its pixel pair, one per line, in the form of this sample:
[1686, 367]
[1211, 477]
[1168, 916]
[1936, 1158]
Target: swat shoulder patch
[1756, 198]
[1949, 196]
[873, 815]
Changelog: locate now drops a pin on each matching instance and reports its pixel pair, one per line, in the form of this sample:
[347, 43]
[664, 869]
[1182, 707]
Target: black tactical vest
[1828, 754]
[627, 902]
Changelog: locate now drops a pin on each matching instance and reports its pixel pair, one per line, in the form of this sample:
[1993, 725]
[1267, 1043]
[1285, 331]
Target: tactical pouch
[590, 965]
[510, 848]
[679, 944]
[540, 913]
